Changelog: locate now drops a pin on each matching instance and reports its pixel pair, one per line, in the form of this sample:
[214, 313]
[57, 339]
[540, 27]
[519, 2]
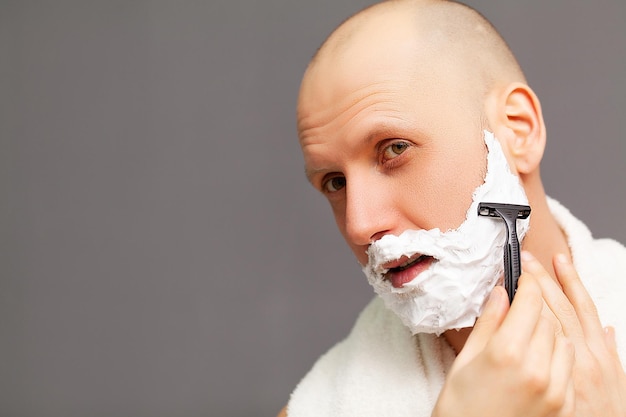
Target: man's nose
[369, 213]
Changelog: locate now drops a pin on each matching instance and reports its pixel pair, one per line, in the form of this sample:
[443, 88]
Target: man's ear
[519, 123]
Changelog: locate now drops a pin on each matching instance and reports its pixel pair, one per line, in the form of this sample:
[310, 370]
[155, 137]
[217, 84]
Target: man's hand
[599, 378]
[512, 364]
[547, 355]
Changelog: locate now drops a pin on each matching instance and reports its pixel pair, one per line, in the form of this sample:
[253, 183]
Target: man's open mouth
[405, 269]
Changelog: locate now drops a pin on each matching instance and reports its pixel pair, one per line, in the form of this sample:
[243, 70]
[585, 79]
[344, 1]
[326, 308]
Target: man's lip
[401, 261]
[398, 277]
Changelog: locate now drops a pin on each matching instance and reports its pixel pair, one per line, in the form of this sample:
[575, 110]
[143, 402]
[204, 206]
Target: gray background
[161, 253]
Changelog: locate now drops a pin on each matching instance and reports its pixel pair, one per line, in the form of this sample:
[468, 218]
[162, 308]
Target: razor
[509, 213]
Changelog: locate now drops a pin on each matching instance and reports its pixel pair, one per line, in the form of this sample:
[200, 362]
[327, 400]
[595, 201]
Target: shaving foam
[468, 261]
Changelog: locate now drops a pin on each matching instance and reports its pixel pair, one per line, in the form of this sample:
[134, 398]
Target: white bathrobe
[380, 369]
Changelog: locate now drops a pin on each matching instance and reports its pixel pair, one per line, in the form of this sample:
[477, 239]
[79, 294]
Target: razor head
[511, 211]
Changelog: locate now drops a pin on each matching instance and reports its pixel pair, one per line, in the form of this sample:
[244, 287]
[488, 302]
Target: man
[396, 118]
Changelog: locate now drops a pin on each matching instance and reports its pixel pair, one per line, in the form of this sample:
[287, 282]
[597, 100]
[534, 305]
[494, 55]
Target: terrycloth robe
[380, 369]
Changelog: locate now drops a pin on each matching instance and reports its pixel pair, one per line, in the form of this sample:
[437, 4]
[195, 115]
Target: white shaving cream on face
[468, 261]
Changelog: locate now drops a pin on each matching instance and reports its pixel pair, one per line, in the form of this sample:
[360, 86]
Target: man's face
[394, 143]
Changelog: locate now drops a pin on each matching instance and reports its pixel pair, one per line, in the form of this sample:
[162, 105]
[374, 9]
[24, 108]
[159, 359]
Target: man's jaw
[406, 269]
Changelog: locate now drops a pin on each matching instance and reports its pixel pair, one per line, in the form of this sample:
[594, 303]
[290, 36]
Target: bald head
[445, 34]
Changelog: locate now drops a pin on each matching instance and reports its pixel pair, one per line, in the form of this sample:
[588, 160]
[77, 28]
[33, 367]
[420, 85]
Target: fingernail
[495, 297]
[562, 258]
[609, 333]
[526, 256]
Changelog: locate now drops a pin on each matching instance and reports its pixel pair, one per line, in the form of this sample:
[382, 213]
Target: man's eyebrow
[310, 173]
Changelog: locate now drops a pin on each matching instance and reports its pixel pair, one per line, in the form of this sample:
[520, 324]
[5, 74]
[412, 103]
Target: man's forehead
[366, 60]
[389, 81]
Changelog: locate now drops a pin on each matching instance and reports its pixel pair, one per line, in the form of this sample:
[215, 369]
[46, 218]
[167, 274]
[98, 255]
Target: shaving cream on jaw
[466, 262]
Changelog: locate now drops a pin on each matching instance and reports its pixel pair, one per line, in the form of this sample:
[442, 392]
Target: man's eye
[394, 150]
[334, 184]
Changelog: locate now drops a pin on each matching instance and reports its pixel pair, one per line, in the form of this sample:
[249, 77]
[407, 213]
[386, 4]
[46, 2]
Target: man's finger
[555, 299]
[519, 326]
[489, 321]
[579, 298]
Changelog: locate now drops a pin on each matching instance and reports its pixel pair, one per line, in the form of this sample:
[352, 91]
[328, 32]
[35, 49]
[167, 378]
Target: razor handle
[512, 265]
